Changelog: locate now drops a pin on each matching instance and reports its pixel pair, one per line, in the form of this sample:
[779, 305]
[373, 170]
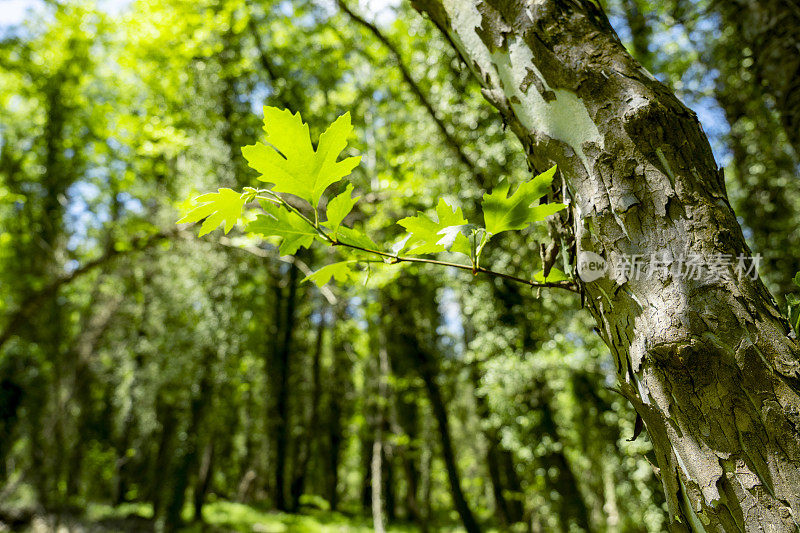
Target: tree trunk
[708, 363]
[378, 446]
[404, 421]
[339, 377]
[188, 462]
[280, 371]
[426, 366]
[499, 462]
[168, 420]
[306, 445]
[763, 164]
[204, 475]
[571, 506]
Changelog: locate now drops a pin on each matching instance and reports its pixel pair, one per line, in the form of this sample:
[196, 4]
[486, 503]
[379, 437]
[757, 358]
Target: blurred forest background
[153, 380]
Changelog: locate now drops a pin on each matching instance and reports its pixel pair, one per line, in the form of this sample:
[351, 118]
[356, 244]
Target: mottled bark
[709, 364]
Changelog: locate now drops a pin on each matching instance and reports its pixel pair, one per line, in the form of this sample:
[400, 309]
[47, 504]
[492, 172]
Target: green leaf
[281, 222]
[430, 236]
[355, 237]
[341, 271]
[797, 279]
[502, 212]
[220, 207]
[340, 206]
[291, 163]
[554, 276]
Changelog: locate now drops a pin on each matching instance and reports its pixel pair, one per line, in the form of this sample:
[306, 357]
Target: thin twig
[422, 98]
[566, 285]
[395, 258]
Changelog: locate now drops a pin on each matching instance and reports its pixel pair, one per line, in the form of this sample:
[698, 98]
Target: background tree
[153, 380]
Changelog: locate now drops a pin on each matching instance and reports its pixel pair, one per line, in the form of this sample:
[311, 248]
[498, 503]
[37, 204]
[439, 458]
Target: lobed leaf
[341, 271]
[278, 221]
[292, 164]
[428, 236]
[502, 212]
[340, 206]
[222, 207]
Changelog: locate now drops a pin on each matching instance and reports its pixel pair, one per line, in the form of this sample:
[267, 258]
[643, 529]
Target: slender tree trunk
[403, 416]
[709, 363]
[768, 195]
[203, 480]
[306, 446]
[499, 462]
[571, 506]
[425, 468]
[426, 366]
[188, 462]
[378, 447]
[339, 373]
[168, 420]
[280, 369]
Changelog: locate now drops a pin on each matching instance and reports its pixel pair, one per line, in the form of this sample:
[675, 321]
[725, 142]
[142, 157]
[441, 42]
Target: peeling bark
[709, 364]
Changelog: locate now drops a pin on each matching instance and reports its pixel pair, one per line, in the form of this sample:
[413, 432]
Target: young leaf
[220, 207]
[291, 163]
[340, 206]
[429, 236]
[295, 231]
[554, 276]
[341, 271]
[355, 237]
[502, 212]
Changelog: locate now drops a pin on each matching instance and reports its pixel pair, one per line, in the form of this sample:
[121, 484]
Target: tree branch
[34, 300]
[424, 101]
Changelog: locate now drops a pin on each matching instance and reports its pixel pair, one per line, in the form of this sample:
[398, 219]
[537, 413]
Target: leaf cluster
[290, 165]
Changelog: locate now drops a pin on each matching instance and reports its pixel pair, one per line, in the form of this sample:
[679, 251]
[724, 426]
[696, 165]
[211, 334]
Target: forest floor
[219, 517]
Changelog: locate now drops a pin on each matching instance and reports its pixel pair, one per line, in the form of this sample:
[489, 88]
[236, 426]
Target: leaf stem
[292, 208]
[566, 285]
[394, 258]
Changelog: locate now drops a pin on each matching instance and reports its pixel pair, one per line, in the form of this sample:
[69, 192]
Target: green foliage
[294, 167]
[554, 276]
[174, 352]
[279, 221]
[223, 207]
[340, 206]
[503, 213]
[292, 164]
[428, 236]
[341, 271]
[793, 306]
